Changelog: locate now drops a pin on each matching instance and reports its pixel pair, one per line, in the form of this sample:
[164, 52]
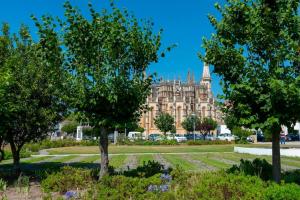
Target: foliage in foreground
[262, 169]
[180, 185]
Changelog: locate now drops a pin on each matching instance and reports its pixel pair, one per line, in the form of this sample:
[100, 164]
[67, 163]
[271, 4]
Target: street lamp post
[194, 126]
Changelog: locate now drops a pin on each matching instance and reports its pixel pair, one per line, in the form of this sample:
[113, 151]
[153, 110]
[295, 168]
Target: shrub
[282, 192]
[47, 144]
[185, 186]
[146, 170]
[147, 142]
[2, 185]
[257, 167]
[208, 142]
[67, 179]
[220, 185]
[291, 176]
[23, 154]
[121, 187]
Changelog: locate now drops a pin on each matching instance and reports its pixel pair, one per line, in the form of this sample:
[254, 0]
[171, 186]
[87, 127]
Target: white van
[136, 135]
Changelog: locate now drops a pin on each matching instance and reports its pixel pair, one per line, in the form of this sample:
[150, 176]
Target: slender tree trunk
[16, 158]
[276, 156]
[104, 153]
[2, 154]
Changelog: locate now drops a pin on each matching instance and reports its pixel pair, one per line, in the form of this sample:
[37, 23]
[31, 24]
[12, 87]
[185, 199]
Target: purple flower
[164, 188]
[152, 188]
[70, 194]
[166, 177]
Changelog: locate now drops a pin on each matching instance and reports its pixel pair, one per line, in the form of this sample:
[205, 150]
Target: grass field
[142, 149]
[189, 158]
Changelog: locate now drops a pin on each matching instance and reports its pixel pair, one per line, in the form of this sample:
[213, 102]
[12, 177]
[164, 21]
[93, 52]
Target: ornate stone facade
[180, 100]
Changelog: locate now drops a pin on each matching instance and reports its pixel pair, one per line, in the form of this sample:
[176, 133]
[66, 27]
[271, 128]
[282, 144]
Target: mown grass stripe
[63, 159]
[36, 159]
[117, 161]
[90, 159]
[144, 159]
[210, 161]
[177, 160]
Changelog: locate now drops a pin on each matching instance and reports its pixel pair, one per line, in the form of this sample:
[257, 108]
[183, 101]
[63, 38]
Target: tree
[164, 122]
[107, 55]
[206, 125]
[230, 121]
[32, 103]
[241, 133]
[190, 123]
[255, 50]
[70, 127]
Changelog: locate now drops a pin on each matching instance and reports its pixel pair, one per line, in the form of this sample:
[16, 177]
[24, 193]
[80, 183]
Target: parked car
[210, 137]
[226, 137]
[292, 137]
[111, 137]
[260, 137]
[135, 135]
[190, 136]
[249, 139]
[180, 138]
[154, 137]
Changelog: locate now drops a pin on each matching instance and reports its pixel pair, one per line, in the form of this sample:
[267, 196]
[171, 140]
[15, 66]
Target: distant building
[181, 99]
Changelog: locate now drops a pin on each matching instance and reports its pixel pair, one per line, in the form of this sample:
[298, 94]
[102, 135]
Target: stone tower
[206, 79]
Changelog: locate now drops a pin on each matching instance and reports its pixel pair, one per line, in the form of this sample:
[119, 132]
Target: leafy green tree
[189, 122]
[256, 51]
[107, 55]
[230, 121]
[206, 125]
[70, 127]
[164, 122]
[32, 102]
[241, 133]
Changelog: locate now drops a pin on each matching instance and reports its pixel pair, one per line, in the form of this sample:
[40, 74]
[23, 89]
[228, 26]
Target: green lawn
[144, 159]
[191, 158]
[208, 159]
[177, 160]
[117, 161]
[142, 149]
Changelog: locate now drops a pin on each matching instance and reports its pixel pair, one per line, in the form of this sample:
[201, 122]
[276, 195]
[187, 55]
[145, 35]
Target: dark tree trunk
[2, 154]
[104, 153]
[16, 158]
[276, 156]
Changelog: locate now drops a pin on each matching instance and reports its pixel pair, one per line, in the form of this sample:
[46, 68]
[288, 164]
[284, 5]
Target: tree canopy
[107, 55]
[206, 125]
[190, 123]
[32, 92]
[255, 50]
[164, 122]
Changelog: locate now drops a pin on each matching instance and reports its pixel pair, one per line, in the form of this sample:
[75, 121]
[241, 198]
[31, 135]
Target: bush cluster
[47, 144]
[147, 142]
[150, 182]
[208, 142]
[67, 178]
[23, 154]
[262, 169]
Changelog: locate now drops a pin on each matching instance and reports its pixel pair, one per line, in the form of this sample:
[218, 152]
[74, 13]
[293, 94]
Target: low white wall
[263, 151]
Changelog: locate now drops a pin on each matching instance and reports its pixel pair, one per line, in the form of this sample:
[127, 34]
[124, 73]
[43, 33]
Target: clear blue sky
[184, 22]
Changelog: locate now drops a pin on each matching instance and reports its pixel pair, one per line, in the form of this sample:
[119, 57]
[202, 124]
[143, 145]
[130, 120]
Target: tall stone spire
[206, 74]
[206, 79]
[189, 77]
